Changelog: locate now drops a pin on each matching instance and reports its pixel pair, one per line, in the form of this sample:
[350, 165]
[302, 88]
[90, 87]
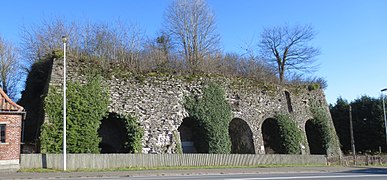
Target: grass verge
[44, 170]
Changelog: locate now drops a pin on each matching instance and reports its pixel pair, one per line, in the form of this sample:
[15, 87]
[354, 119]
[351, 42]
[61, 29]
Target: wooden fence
[360, 160]
[108, 161]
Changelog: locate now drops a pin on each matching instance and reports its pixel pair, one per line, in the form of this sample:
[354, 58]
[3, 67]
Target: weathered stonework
[157, 101]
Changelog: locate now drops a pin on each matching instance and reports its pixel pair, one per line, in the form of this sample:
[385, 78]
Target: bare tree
[10, 74]
[44, 39]
[191, 25]
[108, 42]
[158, 53]
[288, 48]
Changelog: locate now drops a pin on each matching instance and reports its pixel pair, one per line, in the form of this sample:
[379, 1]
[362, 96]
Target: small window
[289, 102]
[2, 133]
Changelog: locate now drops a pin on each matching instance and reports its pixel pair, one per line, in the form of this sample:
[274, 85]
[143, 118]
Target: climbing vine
[86, 106]
[213, 115]
[290, 134]
[179, 149]
[134, 134]
[321, 119]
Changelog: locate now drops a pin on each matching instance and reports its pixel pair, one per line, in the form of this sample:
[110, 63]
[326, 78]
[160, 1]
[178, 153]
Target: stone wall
[158, 102]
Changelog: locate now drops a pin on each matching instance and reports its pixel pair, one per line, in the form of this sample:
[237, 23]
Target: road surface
[289, 173]
[289, 176]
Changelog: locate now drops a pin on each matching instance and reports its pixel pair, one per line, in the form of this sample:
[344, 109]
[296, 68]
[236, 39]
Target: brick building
[11, 116]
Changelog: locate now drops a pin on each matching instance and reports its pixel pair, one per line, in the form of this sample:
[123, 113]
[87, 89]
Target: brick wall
[10, 150]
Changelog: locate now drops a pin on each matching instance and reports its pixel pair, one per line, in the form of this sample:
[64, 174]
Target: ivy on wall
[86, 106]
[134, 134]
[33, 98]
[213, 115]
[321, 119]
[291, 135]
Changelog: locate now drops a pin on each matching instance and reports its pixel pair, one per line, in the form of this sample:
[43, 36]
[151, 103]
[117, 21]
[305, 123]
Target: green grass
[41, 170]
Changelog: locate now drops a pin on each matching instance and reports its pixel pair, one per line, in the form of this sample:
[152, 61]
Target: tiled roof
[6, 104]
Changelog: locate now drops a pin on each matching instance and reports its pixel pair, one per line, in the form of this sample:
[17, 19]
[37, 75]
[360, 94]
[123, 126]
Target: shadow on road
[368, 171]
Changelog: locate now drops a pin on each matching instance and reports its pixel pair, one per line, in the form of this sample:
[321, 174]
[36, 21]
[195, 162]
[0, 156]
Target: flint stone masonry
[157, 102]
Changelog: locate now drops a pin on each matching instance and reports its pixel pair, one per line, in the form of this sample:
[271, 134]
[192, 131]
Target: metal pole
[64, 105]
[352, 138]
[384, 113]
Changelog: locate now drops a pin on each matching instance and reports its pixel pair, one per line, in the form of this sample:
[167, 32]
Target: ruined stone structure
[157, 101]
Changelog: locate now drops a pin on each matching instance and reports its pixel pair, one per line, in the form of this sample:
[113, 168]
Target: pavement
[137, 173]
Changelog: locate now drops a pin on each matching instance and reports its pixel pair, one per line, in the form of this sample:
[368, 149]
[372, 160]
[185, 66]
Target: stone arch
[271, 136]
[315, 137]
[113, 134]
[186, 131]
[241, 137]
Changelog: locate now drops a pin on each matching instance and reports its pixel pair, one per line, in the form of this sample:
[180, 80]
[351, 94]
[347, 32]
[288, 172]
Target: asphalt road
[289, 176]
[284, 173]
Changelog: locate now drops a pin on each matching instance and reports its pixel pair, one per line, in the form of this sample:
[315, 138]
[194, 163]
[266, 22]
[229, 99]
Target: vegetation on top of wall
[117, 70]
[86, 106]
[213, 115]
[313, 86]
[321, 119]
[290, 134]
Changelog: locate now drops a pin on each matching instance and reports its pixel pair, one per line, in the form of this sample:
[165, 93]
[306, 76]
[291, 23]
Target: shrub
[313, 86]
[213, 115]
[290, 134]
[321, 119]
[86, 106]
[134, 136]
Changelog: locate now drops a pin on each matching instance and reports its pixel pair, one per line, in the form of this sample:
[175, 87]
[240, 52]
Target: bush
[313, 86]
[213, 115]
[321, 119]
[290, 134]
[86, 106]
[134, 136]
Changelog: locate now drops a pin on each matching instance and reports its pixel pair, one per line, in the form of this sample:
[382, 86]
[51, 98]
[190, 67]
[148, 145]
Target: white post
[64, 105]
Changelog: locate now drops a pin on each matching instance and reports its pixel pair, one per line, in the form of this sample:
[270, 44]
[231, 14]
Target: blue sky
[352, 34]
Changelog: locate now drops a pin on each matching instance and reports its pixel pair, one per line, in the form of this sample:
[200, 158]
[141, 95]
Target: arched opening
[271, 137]
[315, 137]
[113, 134]
[186, 130]
[241, 137]
[107, 148]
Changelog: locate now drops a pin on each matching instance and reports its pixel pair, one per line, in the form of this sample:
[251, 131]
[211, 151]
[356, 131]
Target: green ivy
[134, 136]
[51, 136]
[179, 148]
[290, 134]
[314, 86]
[213, 115]
[33, 96]
[86, 106]
[321, 119]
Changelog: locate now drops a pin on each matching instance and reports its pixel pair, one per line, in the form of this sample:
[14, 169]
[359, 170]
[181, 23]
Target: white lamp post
[64, 38]
[384, 112]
